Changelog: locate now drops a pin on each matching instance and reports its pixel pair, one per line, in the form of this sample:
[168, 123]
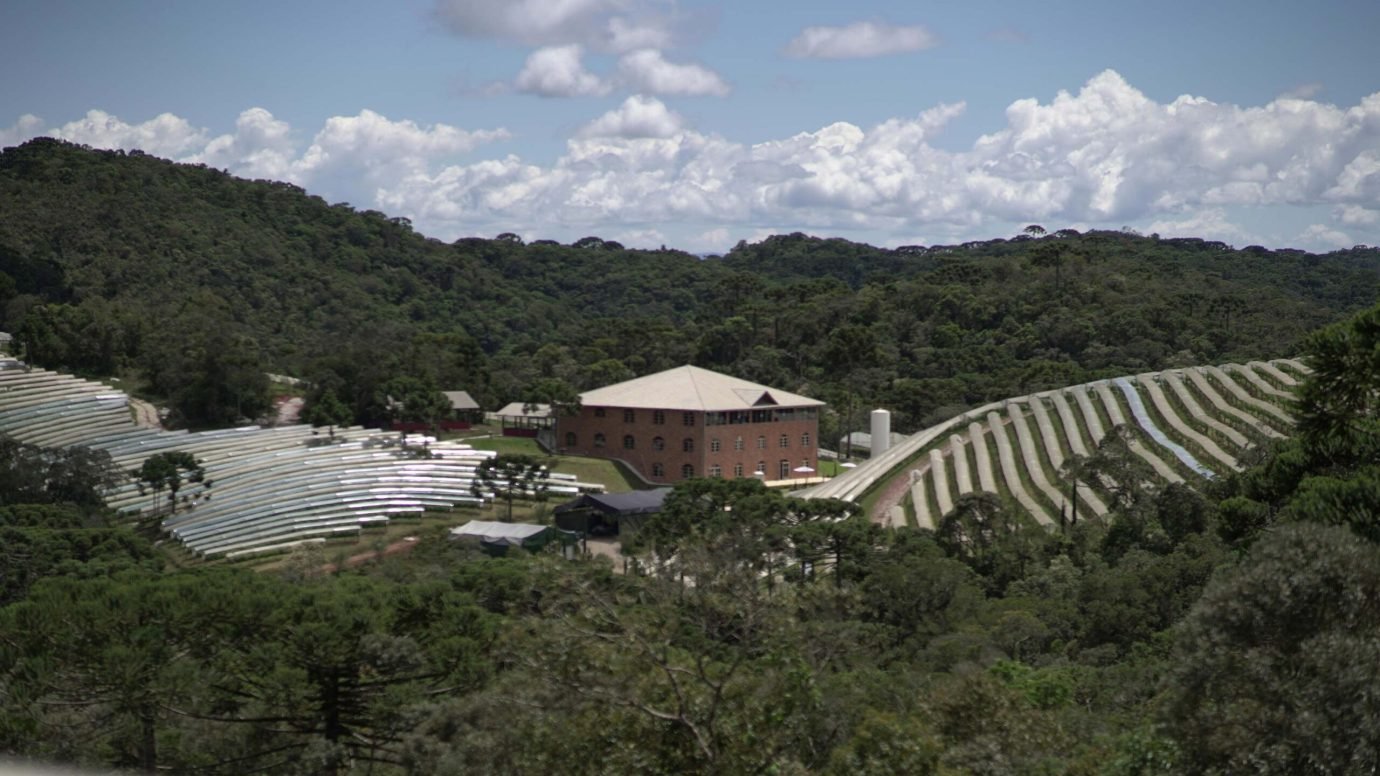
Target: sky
[696, 124]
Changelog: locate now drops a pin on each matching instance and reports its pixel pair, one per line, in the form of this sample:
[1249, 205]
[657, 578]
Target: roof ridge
[695, 383]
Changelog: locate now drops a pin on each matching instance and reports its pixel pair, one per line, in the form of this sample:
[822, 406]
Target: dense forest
[1230, 630]
[198, 283]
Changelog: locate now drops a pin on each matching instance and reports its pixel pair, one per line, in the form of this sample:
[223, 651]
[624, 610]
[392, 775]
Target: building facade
[691, 422]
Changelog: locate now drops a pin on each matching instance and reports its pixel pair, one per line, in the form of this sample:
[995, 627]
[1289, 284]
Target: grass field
[602, 471]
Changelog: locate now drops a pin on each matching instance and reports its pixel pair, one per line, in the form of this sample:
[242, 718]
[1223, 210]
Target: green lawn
[602, 471]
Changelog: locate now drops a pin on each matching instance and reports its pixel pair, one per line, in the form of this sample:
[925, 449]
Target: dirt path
[145, 414]
[400, 547]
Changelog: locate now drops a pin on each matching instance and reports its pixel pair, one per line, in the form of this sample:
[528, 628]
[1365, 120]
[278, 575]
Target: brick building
[692, 422]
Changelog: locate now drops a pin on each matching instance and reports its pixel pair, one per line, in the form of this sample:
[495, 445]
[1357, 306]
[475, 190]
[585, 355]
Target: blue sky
[697, 124]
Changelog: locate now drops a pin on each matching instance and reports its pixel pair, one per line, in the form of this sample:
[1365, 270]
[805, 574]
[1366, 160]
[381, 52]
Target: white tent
[495, 533]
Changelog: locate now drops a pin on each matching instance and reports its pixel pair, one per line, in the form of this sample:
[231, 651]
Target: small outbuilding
[521, 419]
[463, 407]
[605, 514]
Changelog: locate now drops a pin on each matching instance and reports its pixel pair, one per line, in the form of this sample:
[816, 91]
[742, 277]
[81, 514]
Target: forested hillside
[1228, 629]
[195, 279]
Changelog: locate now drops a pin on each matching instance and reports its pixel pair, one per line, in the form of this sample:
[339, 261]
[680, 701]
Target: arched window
[714, 445]
[737, 470]
[658, 443]
[628, 442]
[761, 443]
[738, 443]
[716, 471]
[785, 440]
[687, 471]
[784, 469]
[658, 470]
[688, 445]
[570, 439]
[805, 439]
[599, 439]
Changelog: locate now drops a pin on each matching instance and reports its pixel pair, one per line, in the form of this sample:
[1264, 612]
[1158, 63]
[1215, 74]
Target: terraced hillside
[265, 489]
[1186, 425]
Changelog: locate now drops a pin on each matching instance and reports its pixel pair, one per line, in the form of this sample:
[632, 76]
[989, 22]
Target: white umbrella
[848, 465]
[803, 469]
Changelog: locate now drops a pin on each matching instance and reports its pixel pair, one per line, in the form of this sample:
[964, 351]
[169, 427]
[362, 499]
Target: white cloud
[380, 151]
[1102, 156]
[28, 126]
[260, 147]
[1325, 238]
[712, 241]
[1304, 91]
[163, 135]
[605, 25]
[558, 72]
[646, 70]
[1209, 224]
[648, 239]
[859, 40]
[638, 116]
[1355, 215]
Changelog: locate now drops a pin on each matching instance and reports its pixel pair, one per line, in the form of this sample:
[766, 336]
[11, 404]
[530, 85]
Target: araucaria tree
[511, 476]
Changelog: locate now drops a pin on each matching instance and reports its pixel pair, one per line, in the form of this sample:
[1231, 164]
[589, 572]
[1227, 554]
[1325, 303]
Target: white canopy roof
[488, 530]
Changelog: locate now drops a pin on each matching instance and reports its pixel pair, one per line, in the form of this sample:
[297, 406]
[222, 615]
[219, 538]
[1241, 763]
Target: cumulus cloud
[1323, 237]
[163, 135]
[1105, 155]
[559, 72]
[638, 116]
[1102, 156]
[372, 149]
[260, 147]
[1209, 224]
[647, 71]
[26, 127]
[1355, 215]
[606, 25]
[859, 40]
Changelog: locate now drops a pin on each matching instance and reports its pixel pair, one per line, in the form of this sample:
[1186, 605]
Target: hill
[116, 261]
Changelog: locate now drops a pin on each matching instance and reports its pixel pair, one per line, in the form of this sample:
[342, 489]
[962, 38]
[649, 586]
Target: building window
[687, 471]
[629, 416]
[598, 412]
[737, 470]
[761, 443]
[658, 443]
[659, 418]
[738, 443]
[805, 439]
[761, 470]
[688, 418]
[628, 442]
[658, 470]
[784, 469]
[599, 440]
[785, 440]
[714, 445]
[688, 445]
[715, 471]
[570, 439]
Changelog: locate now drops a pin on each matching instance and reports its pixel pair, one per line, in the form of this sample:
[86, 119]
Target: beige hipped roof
[519, 409]
[461, 400]
[690, 388]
